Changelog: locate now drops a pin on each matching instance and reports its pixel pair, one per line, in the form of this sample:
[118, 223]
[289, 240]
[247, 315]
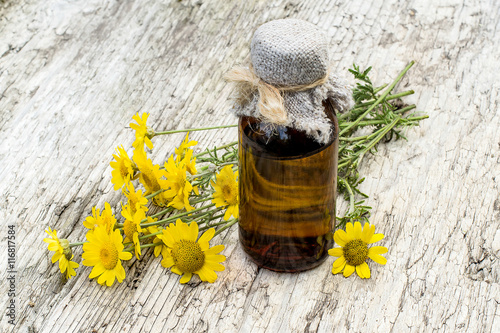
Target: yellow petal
[56, 257]
[357, 230]
[336, 252]
[363, 271]
[215, 257]
[137, 246]
[377, 250]
[167, 238]
[227, 215]
[186, 277]
[51, 242]
[96, 271]
[182, 227]
[63, 264]
[175, 270]
[205, 238]
[374, 254]
[214, 266]
[92, 261]
[192, 234]
[175, 231]
[348, 270]
[341, 237]
[167, 261]
[215, 249]
[101, 280]
[336, 270]
[148, 142]
[120, 273]
[207, 274]
[125, 255]
[378, 259]
[236, 211]
[340, 262]
[157, 250]
[375, 238]
[108, 277]
[349, 229]
[368, 231]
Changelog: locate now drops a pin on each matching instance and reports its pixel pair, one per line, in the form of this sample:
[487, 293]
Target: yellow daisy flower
[186, 256]
[106, 219]
[104, 252]
[63, 253]
[123, 168]
[184, 147]
[179, 187]
[226, 191]
[151, 176]
[143, 133]
[136, 200]
[354, 250]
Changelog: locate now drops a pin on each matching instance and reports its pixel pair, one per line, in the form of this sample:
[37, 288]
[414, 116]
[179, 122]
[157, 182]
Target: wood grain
[72, 74]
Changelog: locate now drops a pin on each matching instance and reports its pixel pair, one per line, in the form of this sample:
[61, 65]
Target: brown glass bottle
[287, 187]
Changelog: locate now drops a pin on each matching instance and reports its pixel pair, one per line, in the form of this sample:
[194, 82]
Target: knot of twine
[271, 104]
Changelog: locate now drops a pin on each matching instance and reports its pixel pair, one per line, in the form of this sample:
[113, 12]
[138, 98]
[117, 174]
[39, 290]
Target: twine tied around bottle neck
[271, 103]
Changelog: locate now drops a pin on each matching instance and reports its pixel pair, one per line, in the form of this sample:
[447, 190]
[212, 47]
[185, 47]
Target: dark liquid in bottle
[287, 195]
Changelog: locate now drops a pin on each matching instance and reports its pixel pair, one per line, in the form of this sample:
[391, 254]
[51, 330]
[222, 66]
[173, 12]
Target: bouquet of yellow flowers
[197, 196]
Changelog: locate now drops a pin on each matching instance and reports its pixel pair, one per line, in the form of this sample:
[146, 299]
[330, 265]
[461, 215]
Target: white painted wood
[72, 74]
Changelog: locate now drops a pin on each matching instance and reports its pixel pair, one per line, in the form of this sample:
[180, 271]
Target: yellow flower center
[355, 252]
[129, 228]
[123, 169]
[150, 182]
[229, 193]
[133, 200]
[188, 256]
[181, 180]
[109, 256]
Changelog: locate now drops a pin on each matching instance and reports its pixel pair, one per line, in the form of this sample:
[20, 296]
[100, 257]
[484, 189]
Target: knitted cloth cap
[290, 52]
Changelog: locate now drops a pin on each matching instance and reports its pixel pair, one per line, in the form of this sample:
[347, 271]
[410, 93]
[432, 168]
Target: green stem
[379, 100]
[388, 98]
[386, 129]
[149, 196]
[193, 130]
[207, 198]
[378, 136]
[217, 148]
[363, 137]
[361, 106]
[217, 167]
[366, 123]
[203, 214]
[76, 244]
[165, 211]
[162, 212]
[228, 225]
[175, 217]
[145, 246]
[406, 108]
[351, 195]
[376, 90]
[214, 225]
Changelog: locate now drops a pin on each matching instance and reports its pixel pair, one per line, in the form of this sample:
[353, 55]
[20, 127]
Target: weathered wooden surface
[72, 74]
